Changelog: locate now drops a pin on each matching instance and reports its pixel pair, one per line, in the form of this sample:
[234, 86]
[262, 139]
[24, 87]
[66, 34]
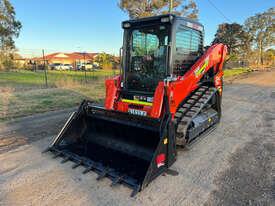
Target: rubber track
[191, 108]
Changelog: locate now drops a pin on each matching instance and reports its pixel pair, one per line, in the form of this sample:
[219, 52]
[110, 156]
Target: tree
[261, 28]
[105, 61]
[9, 29]
[9, 26]
[269, 57]
[143, 8]
[234, 37]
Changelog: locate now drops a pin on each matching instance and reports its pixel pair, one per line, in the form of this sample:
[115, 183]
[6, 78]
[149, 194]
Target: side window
[188, 40]
[195, 41]
[187, 49]
[183, 38]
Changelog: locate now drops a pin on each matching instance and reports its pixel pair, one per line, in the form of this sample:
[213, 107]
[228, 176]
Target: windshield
[147, 57]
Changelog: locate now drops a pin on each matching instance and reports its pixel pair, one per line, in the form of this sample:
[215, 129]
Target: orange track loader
[169, 93]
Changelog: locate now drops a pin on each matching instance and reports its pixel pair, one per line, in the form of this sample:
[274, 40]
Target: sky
[95, 26]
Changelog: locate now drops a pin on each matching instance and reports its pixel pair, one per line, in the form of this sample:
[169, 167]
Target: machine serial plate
[137, 112]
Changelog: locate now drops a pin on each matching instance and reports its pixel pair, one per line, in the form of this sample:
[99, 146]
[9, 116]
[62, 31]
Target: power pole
[45, 70]
[171, 2]
[85, 68]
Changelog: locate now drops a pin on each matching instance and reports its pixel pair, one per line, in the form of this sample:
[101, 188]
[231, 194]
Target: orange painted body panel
[152, 111]
[112, 92]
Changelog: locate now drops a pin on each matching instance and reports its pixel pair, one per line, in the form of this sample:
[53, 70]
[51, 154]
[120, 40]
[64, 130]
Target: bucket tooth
[46, 150]
[117, 180]
[57, 154]
[66, 159]
[135, 191]
[102, 174]
[77, 164]
[88, 169]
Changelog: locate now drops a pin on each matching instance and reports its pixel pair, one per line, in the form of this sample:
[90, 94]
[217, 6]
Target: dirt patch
[30, 129]
[257, 78]
[232, 79]
[250, 179]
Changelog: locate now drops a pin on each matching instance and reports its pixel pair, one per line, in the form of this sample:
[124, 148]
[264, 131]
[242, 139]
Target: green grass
[24, 93]
[235, 71]
[31, 79]
[41, 100]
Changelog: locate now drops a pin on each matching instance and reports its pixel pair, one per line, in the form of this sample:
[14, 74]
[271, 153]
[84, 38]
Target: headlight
[126, 25]
[166, 19]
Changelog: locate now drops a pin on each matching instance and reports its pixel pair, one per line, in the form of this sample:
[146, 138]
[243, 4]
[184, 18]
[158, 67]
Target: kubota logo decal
[200, 70]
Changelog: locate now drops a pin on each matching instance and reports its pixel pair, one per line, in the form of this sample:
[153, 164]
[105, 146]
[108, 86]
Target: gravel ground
[234, 165]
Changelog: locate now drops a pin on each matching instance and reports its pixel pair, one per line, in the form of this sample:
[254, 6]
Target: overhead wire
[219, 11]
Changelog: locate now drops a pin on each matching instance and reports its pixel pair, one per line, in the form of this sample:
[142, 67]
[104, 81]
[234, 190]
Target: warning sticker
[160, 160]
[200, 70]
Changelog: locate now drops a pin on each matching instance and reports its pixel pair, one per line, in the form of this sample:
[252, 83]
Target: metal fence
[75, 77]
[44, 78]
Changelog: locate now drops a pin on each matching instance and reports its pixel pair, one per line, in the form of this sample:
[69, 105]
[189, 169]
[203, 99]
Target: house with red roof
[67, 58]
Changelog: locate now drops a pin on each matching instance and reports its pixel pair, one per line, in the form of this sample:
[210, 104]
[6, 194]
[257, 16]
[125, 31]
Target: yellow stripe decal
[199, 71]
[204, 66]
[137, 102]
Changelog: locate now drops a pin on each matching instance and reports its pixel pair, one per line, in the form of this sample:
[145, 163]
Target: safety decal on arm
[200, 70]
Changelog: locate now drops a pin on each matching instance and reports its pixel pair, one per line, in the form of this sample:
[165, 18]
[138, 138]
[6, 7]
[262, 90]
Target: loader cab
[155, 48]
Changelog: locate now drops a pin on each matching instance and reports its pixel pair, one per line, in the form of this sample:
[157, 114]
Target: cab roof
[157, 19]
